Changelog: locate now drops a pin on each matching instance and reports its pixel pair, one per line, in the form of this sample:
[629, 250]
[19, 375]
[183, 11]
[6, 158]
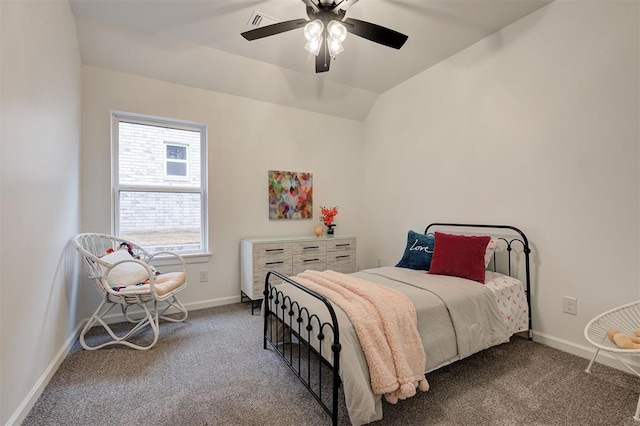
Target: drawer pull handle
[280, 249]
[343, 245]
[311, 260]
[310, 247]
[274, 263]
[343, 256]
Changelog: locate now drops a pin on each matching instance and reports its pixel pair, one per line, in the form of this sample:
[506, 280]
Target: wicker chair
[626, 319]
[123, 275]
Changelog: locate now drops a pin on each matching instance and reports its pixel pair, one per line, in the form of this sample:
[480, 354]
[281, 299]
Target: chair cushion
[169, 282]
[164, 283]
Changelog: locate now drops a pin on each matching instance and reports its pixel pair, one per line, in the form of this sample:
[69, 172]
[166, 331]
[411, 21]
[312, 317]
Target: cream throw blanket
[385, 322]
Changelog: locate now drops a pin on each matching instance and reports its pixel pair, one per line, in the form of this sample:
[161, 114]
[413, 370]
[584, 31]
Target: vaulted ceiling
[198, 43]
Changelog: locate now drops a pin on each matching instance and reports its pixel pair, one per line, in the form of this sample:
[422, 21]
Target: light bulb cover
[334, 46]
[313, 30]
[337, 31]
[314, 45]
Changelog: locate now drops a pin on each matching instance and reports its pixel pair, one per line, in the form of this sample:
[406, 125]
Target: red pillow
[459, 256]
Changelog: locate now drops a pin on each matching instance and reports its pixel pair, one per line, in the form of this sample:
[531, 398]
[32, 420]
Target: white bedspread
[456, 318]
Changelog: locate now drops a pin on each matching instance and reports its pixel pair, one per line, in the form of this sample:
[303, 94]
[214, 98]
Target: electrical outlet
[204, 276]
[570, 305]
[379, 262]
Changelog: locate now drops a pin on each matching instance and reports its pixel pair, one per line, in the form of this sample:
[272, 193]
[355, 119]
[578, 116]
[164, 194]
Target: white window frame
[174, 160]
[198, 256]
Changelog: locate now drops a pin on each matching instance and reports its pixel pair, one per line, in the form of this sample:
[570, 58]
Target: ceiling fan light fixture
[314, 45]
[334, 46]
[337, 31]
[313, 30]
[325, 29]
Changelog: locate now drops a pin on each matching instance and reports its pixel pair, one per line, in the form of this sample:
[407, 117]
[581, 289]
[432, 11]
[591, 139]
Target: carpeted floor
[212, 370]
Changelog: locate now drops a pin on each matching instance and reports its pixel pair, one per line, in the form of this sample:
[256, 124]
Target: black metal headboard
[522, 240]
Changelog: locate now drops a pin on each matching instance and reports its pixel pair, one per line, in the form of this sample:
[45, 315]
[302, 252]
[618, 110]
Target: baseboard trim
[583, 351]
[194, 306]
[212, 303]
[29, 401]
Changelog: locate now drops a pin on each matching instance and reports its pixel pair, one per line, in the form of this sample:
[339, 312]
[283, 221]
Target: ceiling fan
[330, 15]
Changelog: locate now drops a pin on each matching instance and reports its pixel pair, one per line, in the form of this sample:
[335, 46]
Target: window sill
[192, 258]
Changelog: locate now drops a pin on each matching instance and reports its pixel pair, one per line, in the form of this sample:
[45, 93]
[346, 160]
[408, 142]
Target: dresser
[290, 256]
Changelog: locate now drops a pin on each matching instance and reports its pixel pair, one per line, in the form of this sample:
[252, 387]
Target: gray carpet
[212, 370]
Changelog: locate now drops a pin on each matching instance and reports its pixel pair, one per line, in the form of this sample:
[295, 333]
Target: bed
[455, 317]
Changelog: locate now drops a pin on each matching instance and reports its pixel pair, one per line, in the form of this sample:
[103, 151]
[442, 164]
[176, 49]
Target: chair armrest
[170, 253]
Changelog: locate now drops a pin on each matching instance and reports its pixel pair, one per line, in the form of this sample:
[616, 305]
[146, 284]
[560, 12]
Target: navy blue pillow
[419, 251]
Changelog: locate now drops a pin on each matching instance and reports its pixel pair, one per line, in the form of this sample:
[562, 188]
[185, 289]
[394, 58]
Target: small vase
[330, 230]
[318, 231]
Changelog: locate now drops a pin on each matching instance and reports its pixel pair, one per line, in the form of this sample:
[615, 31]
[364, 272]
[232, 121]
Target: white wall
[39, 177]
[246, 139]
[535, 126]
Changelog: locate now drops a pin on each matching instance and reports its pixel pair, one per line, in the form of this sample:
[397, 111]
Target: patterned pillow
[418, 252]
[491, 248]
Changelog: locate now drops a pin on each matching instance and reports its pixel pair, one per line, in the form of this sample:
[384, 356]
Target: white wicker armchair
[626, 319]
[124, 277]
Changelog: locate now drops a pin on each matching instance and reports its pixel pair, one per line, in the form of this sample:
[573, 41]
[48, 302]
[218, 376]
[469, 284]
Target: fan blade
[323, 59]
[273, 29]
[375, 33]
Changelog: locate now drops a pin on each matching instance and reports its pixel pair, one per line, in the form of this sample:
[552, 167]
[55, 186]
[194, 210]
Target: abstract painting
[290, 195]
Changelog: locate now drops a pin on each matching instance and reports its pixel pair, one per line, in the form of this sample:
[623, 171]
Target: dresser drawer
[284, 266]
[342, 261]
[266, 253]
[309, 248]
[259, 274]
[310, 261]
[341, 244]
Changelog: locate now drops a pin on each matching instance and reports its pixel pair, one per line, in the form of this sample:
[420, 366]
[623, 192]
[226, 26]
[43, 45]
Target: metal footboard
[290, 329]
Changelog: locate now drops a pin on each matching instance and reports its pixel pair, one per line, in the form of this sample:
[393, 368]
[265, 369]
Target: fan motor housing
[327, 13]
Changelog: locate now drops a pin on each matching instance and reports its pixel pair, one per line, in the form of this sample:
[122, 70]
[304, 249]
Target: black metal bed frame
[286, 322]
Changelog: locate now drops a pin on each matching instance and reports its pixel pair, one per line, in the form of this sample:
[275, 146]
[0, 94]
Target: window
[176, 157]
[159, 182]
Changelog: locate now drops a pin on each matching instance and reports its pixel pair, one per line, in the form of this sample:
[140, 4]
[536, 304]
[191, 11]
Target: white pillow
[491, 247]
[124, 274]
